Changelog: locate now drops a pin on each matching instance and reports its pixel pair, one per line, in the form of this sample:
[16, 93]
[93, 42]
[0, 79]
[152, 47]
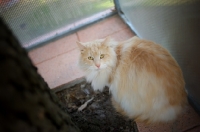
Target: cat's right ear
[80, 45]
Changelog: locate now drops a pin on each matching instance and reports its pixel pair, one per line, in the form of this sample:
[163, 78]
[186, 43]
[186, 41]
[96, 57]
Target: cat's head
[97, 55]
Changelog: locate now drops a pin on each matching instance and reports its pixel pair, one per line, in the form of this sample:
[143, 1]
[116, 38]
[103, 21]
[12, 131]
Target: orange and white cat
[145, 81]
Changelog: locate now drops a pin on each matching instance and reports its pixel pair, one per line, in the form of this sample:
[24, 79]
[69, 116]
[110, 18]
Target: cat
[145, 81]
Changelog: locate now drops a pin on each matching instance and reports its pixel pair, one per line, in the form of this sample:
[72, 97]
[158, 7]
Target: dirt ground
[98, 115]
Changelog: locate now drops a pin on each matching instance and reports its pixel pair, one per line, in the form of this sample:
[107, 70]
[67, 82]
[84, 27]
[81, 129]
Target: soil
[98, 115]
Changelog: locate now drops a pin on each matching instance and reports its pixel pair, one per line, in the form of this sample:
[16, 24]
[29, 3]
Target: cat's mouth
[98, 69]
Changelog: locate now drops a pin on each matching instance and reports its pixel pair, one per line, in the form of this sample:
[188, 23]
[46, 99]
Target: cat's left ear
[80, 45]
[109, 42]
[106, 41]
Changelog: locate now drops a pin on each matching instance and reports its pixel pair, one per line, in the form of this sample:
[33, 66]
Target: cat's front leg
[98, 84]
[117, 107]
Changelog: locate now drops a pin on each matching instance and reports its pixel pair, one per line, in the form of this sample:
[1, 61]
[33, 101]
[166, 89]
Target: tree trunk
[26, 102]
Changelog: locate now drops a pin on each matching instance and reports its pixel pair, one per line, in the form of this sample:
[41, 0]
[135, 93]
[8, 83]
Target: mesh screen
[175, 24]
[34, 21]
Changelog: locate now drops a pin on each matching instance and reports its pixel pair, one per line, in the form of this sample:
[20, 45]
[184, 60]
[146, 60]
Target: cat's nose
[97, 65]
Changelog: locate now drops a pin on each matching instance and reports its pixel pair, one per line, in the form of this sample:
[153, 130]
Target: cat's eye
[101, 56]
[90, 58]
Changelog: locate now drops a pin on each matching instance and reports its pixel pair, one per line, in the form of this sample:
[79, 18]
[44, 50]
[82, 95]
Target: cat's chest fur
[99, 79]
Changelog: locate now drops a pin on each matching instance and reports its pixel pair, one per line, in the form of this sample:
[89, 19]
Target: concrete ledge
[68, 85]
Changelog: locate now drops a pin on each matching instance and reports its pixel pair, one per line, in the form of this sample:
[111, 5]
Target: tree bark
[26, 102]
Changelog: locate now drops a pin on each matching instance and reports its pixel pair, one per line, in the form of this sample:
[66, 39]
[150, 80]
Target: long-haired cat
[145, 81]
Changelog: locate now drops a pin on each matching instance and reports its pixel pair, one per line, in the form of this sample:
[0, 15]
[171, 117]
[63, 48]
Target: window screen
[36, 21]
